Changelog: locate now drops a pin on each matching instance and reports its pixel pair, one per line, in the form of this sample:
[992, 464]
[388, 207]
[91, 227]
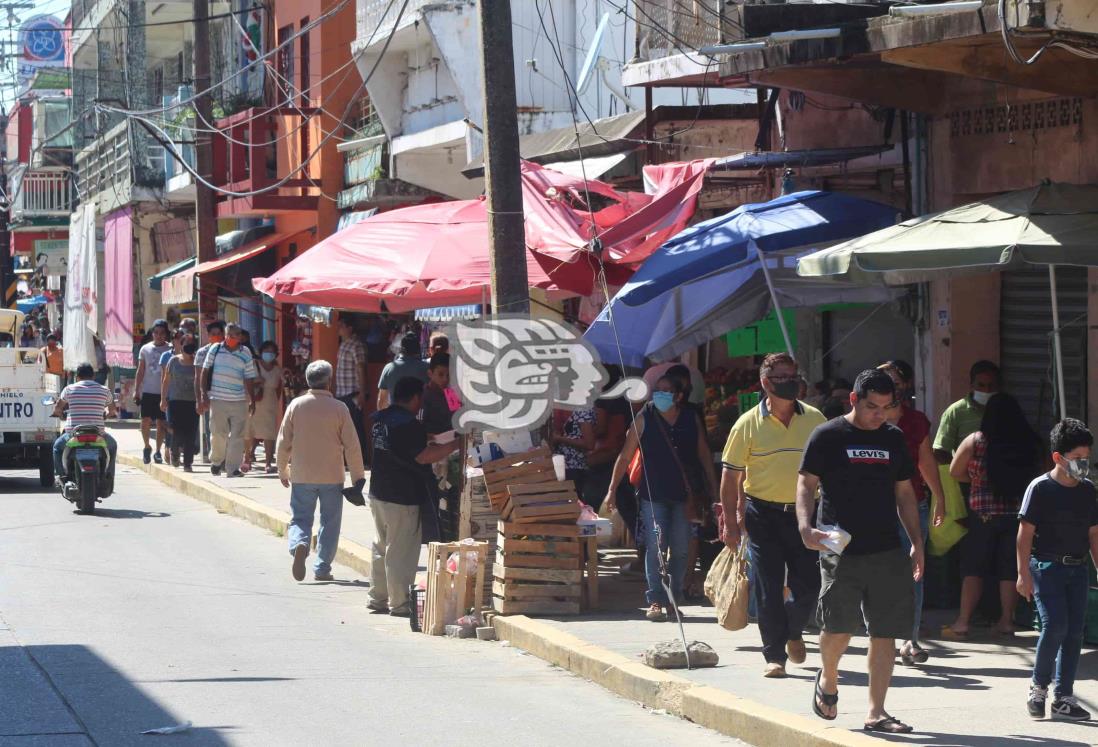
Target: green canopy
[157, 280]
[1050, 224]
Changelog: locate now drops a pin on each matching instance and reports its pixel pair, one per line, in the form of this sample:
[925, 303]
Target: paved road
[160, 611]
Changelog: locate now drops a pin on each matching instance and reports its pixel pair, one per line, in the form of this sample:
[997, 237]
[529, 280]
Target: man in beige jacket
[316, 438]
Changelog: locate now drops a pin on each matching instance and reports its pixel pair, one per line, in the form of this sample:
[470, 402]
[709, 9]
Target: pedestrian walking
[962, 418]
[675, 462]
[228, 389]
[400, 487]
[262, 426]
[759, 483]
[613, 417]
[861, 467]
[1058, 529]
[407, 363]
[177, 342]
[998, 462]
[215, 334]
[350, 379]
[440, 345]
[315, 439]
[925, 481]
[178, 400]
[147, 390]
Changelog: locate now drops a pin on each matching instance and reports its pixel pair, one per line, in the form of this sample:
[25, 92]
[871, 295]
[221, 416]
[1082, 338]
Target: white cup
[558, 466]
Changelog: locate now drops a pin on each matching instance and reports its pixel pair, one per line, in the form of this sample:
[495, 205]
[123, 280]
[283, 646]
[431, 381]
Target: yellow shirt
[769, 452]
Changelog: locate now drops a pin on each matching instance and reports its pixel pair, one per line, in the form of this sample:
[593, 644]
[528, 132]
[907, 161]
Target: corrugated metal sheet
[1025, 339]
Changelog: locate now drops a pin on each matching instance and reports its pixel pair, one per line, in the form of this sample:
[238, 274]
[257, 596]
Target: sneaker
[1036, 704]
[146, 454]
[323, 577]
[215, 469]
[301, 552]
[1067, 707]
[796, 651]
[656, 613]
[774, 670]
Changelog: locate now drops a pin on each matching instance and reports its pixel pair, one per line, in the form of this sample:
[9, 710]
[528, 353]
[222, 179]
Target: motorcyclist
[86, 401]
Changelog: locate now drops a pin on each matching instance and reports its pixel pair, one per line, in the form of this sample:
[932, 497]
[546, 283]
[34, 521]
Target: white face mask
[982, 398]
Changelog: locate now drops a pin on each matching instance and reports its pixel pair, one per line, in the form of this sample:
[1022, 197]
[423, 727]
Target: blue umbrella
[709, 279]
[807, 219]
[29, 304]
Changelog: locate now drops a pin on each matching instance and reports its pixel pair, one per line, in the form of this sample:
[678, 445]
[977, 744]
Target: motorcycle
[87, 462]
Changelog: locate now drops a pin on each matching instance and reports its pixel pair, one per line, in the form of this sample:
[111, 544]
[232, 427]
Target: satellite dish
[590, 63]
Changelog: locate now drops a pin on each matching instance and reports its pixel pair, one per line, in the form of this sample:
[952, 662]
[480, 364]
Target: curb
[350, 554]
[706, 706]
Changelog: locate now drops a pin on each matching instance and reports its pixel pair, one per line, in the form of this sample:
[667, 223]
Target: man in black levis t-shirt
[862, 468]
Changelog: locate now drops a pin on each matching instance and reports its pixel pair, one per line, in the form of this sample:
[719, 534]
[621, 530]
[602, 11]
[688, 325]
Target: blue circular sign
[43, 40]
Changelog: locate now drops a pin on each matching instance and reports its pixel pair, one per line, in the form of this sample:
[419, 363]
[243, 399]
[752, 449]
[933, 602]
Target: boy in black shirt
[1059, 526]
[862, 467]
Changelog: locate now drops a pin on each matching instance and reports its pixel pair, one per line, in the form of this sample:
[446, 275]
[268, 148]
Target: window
[303, 42]
[285, 61]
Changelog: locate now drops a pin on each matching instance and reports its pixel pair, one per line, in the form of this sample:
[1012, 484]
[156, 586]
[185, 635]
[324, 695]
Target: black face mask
[190, 349]
[787, 390]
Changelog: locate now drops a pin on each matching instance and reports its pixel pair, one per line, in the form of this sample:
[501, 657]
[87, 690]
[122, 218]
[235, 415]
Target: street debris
[177, 729]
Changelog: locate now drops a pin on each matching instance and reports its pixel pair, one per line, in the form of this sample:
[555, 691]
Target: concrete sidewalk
[970, 693]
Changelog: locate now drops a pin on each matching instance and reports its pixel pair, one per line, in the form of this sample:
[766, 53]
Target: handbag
[696, 500]
[727, 587]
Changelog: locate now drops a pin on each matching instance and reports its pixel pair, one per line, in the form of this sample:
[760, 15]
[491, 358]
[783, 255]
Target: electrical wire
[165, 141]
[1053, 42]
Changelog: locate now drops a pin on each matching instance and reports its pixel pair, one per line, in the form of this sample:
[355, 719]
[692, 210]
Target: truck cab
[27, 425]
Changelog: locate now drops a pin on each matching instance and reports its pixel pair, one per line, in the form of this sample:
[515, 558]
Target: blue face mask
[663, 401]
[268, 357]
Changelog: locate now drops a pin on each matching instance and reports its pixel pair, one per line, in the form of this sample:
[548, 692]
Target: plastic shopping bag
[727, 588]
[943, 538]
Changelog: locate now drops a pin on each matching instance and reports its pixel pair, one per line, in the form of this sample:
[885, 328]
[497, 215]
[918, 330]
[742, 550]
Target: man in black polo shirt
[1058, 528]
[862, 468]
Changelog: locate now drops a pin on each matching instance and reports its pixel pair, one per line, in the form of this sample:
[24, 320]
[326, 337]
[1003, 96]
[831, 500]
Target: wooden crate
[528, 468]
[542, 503]
[464, 586]
[538, 569]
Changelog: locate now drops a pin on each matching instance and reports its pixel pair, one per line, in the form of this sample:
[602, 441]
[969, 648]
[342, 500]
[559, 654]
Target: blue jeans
[59, 453]
[303, 500]
[674, 534]
[924, 528]
[1061, 595]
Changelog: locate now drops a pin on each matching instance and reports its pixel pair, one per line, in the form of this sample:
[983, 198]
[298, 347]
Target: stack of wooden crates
[539, 565]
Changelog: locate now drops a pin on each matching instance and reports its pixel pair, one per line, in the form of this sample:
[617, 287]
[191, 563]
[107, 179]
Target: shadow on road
[129, 513]
[938, 739]
[70, 687]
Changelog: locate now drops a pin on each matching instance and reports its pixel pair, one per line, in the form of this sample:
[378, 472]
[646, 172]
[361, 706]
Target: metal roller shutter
[1025, 338]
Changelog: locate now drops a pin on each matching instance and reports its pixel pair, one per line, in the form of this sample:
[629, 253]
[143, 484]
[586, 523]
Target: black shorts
[876, 589]
[988, 550]
[150, 407]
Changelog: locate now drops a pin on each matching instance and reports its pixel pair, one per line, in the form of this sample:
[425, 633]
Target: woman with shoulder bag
[671, 443]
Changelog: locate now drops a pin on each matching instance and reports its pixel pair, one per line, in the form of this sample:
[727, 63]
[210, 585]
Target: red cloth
[916, 427]
[437, 254]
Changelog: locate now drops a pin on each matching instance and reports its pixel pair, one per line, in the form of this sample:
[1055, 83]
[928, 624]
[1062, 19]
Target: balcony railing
[667, 27]
[41, 193]
[107, 166]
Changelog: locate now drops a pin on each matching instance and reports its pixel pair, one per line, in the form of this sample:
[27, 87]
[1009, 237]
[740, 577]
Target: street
[158, 611]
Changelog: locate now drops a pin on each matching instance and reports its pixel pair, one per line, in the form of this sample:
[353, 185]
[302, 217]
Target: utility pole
[204, 199]
[8, 282]
[502, 175]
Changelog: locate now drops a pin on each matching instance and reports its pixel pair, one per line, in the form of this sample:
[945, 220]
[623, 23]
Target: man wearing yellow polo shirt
[759, 488]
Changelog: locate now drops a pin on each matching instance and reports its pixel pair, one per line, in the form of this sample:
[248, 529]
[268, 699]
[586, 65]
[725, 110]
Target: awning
[599, 138]
[179, 288]
[591, 168]
[795, 158]
[156, 281]
[448, 313]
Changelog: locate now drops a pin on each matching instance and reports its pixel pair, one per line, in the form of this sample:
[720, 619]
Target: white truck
[27, 425]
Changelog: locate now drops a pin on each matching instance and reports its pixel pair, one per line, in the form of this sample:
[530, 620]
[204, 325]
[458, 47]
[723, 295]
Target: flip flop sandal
[950, 634]
[819, 696]
[889, 725]
[919, 654]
